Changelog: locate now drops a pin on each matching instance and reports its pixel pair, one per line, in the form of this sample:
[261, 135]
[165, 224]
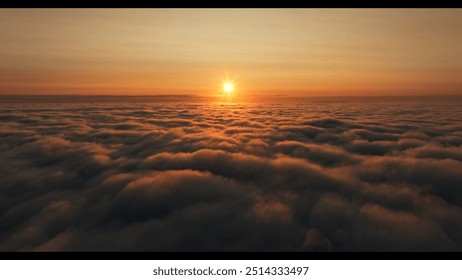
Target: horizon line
[221, 96]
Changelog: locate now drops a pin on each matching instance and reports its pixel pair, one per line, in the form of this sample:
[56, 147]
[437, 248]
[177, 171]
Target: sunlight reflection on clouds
[234, 176]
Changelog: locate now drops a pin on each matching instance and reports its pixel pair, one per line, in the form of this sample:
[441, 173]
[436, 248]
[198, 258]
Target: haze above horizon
[298, 52]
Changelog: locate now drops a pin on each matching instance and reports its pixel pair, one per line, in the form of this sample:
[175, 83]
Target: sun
[228, 87]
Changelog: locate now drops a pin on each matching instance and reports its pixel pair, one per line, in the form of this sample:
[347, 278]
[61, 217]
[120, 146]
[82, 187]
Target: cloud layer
[197, 176]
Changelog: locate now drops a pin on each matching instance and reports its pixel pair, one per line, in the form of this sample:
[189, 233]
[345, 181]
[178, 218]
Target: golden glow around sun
[228, 87]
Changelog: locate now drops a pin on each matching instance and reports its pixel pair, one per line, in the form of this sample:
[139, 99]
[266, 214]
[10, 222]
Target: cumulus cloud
[197, 176]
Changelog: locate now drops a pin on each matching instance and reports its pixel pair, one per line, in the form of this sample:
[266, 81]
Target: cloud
[326, 155]
[158, 194]
[187, 176]
[437, 152]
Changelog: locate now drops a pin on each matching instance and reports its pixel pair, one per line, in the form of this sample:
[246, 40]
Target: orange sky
[312, 52]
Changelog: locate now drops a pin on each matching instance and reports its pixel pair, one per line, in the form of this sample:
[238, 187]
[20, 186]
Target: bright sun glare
[228, 87]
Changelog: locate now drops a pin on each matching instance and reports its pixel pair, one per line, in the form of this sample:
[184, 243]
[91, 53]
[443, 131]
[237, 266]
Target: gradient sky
[312, 52]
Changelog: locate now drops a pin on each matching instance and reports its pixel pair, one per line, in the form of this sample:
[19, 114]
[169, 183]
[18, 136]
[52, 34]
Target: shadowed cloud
[176, 176]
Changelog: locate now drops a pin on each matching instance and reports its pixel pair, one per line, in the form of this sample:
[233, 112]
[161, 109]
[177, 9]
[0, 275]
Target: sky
[303, 52]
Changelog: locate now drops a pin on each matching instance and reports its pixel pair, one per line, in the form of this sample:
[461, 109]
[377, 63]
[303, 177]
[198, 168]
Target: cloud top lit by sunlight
[187, 176]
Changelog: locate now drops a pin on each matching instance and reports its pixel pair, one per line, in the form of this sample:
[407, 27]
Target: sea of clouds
[297, 175]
